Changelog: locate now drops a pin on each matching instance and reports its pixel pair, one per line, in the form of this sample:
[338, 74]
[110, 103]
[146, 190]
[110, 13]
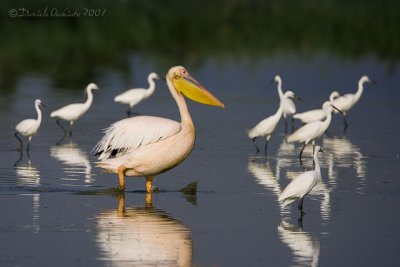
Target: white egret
[72, 112]
[302, 184]
[315, 114]
[29, 127]
[145, 146]
[309, 132]
[289, 108]
[133, 96]
[345, 102]
[266, 127]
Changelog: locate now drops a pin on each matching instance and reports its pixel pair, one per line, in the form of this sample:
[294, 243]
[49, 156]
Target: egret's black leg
[345, 124]
[254, 142]
[128, 112]
[265, 148]
[70, 133]
[19, 139]
[301, 206]
[27, 147]
[61, 126]
[292, 124]
[285, 125]
[301, 151]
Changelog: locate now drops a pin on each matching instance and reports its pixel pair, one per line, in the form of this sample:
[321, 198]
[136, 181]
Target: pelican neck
[186, 120]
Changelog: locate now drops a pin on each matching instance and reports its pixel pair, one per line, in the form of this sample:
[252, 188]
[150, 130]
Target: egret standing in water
[266, 127]
[134, 96]
[144, 146]
[288, 108]
[302, 184]
[29, 127]
[72, 112]
[315, 114]
[309, 132]
[345, 102]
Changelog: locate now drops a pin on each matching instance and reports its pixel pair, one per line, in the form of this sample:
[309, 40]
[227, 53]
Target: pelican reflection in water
[76, 161]
[142, 236]
[305, 249]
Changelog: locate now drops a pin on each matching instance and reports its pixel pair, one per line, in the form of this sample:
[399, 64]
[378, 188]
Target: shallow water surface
[57, 207]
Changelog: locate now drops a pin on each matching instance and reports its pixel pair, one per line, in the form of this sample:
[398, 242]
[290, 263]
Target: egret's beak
[337, 109]
[195, 91]
[43, 105]
[320, 150]
[298, 98]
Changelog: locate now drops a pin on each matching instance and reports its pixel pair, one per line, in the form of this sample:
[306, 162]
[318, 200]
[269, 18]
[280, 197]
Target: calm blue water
[235, 219]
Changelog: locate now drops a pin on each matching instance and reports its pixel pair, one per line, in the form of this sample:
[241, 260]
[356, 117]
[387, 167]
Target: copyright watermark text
[55, 12]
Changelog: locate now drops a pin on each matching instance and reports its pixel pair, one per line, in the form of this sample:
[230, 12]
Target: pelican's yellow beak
[195, 91]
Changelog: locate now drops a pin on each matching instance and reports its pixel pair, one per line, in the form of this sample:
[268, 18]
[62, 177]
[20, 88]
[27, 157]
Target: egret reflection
[142, 236]
[344, 154]
[304, 247]
[264, 176]
[27, 174]
[76, 161]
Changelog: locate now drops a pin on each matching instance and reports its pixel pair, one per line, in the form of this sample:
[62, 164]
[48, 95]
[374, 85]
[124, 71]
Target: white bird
[266, 127]
[142, 236]
[72, 112]
[309, 132]
[315, 114]
[29, 127]
[145, 146]
[345, 102]
[302, 184]
[133, 96]
[289, 108]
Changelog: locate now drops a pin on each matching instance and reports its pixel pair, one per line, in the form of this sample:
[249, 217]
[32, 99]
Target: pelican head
[188, 86]
[92, 86]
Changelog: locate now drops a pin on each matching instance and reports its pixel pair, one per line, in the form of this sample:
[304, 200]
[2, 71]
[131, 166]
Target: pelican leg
[19, 139]
[254, 142]
[121, 206]
[149, 184]
[121, 172]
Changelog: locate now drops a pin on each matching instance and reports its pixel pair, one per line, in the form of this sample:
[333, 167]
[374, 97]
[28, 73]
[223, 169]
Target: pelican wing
[129, 134]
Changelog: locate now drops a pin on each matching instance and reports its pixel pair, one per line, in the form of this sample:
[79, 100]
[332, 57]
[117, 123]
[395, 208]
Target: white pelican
[145, 146]
[133, 96]
[302, 184]
[309, 132]
[315, 114]
[289, 108]
[72, 112]
[142, 236]
[345, 102]
[266, 127]
[29, 127]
